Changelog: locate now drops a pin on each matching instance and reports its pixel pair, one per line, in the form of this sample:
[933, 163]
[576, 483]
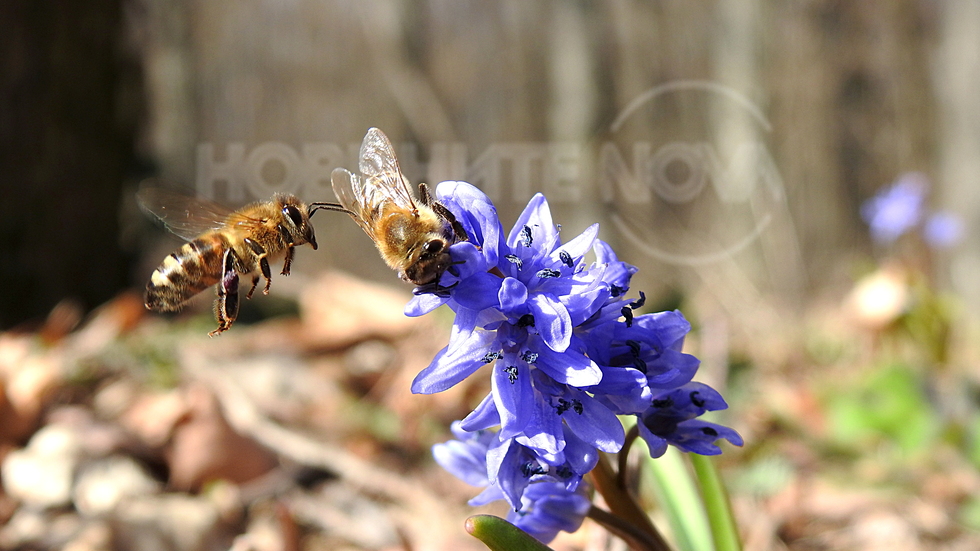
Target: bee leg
[442, 211]
[448, 216]
[288, 261]
[226, 306]
[288, 240]
[263, 259]
[424, 195]
[255, 281]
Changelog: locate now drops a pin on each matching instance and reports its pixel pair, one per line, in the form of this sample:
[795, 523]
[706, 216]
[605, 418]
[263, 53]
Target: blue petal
[505, 467]
[578, 246]
[478, 291]
[570, 367]
[423, 304]
[543, 431]
[451, 366]
[513, 396]
[476, 213]
[672, 369]
[596, 424]
[466, 462]
[537, 216]
[490, 494]
[657, 444]
[669, 327]
[582, 457]
[512, 296]
[483, 417]
[551, 320]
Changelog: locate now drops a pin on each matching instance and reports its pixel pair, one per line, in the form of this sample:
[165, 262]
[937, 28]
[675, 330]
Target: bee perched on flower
[567, 355]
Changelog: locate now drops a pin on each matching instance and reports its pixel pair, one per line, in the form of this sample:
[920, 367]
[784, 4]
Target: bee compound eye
[293, 214]
[433, 246]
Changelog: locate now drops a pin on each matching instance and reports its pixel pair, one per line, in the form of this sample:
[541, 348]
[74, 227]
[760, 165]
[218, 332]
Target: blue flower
[567, 354]
[521, 319]
[672, 419]
[547, 509]
[943, 229]
[545, 498]
[896, 209]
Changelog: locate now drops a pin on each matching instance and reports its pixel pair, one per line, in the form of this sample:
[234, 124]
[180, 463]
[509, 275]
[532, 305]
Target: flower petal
[513, 395]
[570, 367]
[551, 320]
[483, 417]
[452, 366]
[594, 423]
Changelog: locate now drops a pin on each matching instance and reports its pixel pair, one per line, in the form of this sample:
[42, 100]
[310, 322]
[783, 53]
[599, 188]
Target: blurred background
[726, 149]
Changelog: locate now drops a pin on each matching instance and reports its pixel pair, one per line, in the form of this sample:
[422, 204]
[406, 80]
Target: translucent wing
[349, 189]
[383, 177]
[184, 215]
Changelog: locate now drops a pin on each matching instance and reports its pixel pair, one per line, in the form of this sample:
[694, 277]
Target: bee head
[296, 220]
[429, 260]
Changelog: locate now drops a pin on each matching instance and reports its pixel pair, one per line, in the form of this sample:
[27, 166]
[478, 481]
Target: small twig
[622, 504]
[636, 539]
[624, 453]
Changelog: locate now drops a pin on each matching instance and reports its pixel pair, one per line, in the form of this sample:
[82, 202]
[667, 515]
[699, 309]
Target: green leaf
[499, 535]
[678, 496]
[723, 528]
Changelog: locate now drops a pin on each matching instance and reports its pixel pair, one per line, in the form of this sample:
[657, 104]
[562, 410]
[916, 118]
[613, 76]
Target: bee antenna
[325, 206]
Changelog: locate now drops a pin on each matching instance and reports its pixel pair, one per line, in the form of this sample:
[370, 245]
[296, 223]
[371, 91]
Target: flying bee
[224, 244]
[412, 235]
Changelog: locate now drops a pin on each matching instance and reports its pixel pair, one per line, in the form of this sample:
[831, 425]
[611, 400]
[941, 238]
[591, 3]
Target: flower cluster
[567, 355]
[900, 208]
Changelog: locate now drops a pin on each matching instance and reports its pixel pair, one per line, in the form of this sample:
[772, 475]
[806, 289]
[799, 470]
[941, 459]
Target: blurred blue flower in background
[567, 357]
[943, 229]
[900, 208]
[896, 209]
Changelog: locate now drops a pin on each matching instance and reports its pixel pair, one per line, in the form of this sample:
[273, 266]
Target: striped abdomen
[186, 272]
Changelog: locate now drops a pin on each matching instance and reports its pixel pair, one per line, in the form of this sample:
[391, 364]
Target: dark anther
[640, 365]
[634, 347]
[547, 273]
[564, 472]
[628, 314]
[511, 372]
[529, 357]
[696, 399]
[663, 403]
[563, 406]
[527, 320]
[531, 468]
[513, 259]
[566, 258]
[526, 236]
[577, 407]
[709, 431]
[616, 290]
[638, 303]
[491, 356]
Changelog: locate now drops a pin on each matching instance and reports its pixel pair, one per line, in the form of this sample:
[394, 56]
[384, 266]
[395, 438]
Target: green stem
[716, 502]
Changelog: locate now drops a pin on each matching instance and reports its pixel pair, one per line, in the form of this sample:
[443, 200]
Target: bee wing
[349, 189]
[186, 216]
[384, 177]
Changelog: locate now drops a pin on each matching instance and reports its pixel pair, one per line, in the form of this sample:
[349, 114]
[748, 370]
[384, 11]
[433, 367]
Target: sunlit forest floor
[297, 430]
